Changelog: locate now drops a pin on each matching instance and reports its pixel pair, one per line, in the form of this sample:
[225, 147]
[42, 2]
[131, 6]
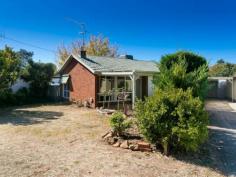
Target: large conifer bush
[174, 117]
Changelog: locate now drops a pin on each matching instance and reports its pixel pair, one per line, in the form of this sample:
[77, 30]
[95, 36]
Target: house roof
[109, 64]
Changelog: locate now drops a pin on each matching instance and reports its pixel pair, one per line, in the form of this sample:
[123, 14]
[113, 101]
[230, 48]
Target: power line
[3, 36]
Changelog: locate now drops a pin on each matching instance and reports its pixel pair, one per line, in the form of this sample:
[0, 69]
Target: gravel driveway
[223, 134]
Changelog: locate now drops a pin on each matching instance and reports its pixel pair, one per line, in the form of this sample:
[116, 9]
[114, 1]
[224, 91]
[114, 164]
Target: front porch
[122, 88]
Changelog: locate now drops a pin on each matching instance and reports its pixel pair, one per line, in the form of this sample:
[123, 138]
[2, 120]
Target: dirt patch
[58, 140]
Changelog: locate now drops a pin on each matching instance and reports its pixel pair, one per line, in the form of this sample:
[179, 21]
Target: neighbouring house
[103, 80]
[19, 84]
[222, 88]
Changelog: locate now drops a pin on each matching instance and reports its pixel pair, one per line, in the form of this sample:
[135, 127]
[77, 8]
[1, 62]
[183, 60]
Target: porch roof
[111, 64]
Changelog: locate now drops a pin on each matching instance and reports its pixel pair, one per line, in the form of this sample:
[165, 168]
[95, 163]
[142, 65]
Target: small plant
[119, 124]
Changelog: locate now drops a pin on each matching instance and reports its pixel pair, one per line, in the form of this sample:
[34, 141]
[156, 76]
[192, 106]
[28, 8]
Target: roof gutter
[116, 73]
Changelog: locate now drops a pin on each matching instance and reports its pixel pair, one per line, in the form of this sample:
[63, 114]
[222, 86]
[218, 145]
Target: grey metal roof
[109, 64]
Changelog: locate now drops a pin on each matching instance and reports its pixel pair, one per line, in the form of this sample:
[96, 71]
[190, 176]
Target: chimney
[130, 57]
[83, 52]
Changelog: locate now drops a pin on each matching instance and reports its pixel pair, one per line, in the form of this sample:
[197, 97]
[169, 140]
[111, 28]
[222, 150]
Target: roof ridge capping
[97, 64]
[117, 58]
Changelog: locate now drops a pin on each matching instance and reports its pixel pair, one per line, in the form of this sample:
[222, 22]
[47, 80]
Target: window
[102, 84]
[106, 84]
[110, 86]
[66, 91]
[121, 83]
[124, 83]
[110, 83]
[128, 84]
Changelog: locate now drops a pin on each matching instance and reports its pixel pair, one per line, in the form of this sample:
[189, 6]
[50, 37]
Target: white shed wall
[18, 85]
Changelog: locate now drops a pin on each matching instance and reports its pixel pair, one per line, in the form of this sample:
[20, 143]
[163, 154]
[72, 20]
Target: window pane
[102, 84]
[128, 84]
[66, 91]
[121, 82]
[110, 83]
[106, 84]
[66, 87]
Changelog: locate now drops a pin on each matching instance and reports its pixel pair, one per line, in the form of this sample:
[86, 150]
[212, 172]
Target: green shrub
[173, 118]
[178, 76]
[193, 61]
[38, 75]
[118, 123]
[22, 96]
[7, 98]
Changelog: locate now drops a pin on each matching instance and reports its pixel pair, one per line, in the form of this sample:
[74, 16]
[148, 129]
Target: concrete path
[223, 133]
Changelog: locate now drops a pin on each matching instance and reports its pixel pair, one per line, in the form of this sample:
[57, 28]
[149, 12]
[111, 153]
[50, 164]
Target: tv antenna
[83, 30]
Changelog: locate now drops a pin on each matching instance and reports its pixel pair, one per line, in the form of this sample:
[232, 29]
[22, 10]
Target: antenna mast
[83, 32]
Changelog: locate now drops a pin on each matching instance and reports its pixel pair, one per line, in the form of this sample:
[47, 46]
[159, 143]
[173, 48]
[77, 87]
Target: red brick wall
[82, 82]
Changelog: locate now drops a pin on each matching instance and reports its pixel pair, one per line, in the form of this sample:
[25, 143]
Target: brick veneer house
[102, 80]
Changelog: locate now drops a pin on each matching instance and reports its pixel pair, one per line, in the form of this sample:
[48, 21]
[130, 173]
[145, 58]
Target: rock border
[138, 145]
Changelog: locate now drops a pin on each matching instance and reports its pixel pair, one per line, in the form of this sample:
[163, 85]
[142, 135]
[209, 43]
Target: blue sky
[145, 29]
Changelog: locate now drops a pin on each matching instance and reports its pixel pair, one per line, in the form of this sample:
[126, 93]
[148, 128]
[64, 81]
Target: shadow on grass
[219, 153]
[207, 156]
[22, 116]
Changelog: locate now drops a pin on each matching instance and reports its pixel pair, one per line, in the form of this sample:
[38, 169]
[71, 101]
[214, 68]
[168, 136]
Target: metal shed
[222, 88]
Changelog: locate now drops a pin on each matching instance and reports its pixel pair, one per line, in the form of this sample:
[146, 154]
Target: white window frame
[66, 91]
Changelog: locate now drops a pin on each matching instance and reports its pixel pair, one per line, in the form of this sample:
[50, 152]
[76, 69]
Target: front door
[142, 87]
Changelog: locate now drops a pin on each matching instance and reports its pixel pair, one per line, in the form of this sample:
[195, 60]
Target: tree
[222, 70]
[14, 64]
[174, 117]
[62, 54]
[96, 46]
[39, 75]
[9, 67]
[193, 61]
[100, 46]
[24, 56]
[183, 70]
[220, 61]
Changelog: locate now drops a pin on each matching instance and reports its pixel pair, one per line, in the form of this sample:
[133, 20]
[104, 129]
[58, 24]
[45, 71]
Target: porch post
[133, 89]
[116, 89]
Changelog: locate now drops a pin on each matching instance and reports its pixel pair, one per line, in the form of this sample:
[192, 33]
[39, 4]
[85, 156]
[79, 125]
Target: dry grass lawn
[63, 140]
